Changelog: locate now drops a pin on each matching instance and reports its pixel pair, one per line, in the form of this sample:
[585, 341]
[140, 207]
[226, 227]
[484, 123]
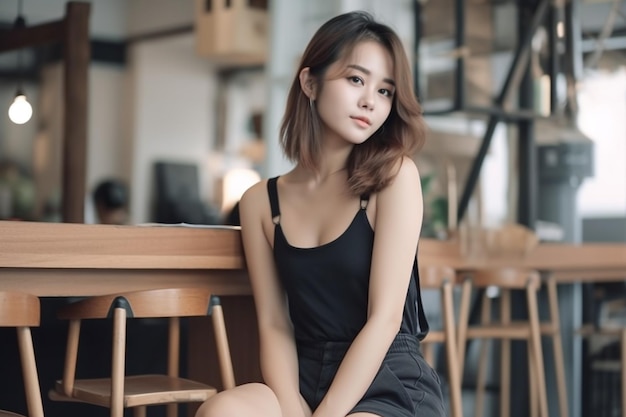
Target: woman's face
[357, 97]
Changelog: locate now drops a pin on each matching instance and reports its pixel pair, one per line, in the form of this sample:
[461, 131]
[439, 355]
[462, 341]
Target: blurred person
[110, 198]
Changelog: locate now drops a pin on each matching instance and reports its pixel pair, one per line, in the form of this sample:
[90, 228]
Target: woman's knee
[244, 400]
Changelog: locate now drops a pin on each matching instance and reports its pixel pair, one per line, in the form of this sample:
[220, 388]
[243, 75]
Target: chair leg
[140, 411]
[482, 361]
[454, 379]
[118, 363]
[532, 387]
[505, 356]
[463, 323]
[173, 361]
[71, 355]
[29, 371]
[535, 345]
[221, 339]
[173, 348]
[171, 410]
[481, 378]
[557, 345]
[623, 349]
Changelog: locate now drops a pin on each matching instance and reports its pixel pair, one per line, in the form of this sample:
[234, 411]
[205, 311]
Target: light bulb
[20, 110]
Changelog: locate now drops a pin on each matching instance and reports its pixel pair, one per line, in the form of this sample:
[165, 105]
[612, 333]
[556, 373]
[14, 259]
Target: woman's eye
[385, 92]
[356, 80]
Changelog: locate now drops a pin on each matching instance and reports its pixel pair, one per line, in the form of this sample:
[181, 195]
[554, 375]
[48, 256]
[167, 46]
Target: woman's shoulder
[407, 174]
[254, 196]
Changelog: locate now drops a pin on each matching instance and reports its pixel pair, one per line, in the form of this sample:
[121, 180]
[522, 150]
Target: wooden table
[61, 260]
[568, 263]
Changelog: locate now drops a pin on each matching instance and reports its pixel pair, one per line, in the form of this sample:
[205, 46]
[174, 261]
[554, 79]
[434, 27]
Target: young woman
[330, 246]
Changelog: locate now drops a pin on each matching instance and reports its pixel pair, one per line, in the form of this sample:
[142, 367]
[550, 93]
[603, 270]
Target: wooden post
[76, 70]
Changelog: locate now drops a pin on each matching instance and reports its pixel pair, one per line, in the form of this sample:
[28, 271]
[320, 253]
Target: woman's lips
[362, 120]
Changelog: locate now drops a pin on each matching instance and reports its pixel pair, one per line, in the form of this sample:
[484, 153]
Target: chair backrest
[434, 276]
[509, 240]
[19, 309]
[161, 303]
[510, 278]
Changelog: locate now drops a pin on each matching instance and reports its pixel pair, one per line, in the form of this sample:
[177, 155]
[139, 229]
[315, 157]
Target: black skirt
[405, 385]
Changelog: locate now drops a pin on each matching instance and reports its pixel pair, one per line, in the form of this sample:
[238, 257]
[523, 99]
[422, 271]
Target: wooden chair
[513, 242]
[443, 279]
[21, 311]
[505, 279]
[119, 391]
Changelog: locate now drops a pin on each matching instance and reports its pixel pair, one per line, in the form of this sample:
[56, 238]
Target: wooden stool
[21, 311]
[443, 278]
[120, 391]
[506, 279]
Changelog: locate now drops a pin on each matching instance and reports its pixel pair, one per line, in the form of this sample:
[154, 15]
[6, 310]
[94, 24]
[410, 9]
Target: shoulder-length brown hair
[373, 164]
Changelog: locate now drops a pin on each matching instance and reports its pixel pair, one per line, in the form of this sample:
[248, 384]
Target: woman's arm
[398, 223]
[279, 363]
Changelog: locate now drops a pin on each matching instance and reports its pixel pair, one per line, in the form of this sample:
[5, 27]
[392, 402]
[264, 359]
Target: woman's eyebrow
[368, 72]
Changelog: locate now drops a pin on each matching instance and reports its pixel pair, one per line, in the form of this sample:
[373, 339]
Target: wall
[601, 117]
[173, 113]
[108, 149]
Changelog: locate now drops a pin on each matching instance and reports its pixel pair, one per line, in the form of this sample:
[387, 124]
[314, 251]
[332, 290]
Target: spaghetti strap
[272, 191]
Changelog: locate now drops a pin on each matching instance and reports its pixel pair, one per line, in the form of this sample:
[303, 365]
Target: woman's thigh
[252, 399]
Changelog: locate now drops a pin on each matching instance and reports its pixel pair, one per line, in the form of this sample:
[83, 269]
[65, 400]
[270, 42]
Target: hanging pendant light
[20, 110]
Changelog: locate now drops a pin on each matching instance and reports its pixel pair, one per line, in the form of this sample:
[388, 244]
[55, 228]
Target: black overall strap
[421, 316]
[272, 191]
[365, 198]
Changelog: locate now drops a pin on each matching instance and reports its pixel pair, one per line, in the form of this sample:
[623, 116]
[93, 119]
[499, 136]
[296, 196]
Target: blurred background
[165, 111]
[188, 92]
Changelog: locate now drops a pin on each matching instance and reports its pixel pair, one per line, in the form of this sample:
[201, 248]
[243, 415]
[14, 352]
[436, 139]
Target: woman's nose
[367, 99]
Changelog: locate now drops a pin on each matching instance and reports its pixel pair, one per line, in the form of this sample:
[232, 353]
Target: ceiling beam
[31, 36]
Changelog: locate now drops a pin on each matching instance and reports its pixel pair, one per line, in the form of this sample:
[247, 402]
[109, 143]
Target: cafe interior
[165, 111]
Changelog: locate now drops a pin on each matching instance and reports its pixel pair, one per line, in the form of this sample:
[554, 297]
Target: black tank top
[327, 285]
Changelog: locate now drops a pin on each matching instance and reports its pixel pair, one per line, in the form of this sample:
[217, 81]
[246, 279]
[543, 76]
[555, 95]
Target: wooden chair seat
[139, 390]
[118, 390]
[22, 311]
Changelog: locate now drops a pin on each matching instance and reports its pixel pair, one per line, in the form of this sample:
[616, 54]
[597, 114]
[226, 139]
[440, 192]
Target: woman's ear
[307, 83]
